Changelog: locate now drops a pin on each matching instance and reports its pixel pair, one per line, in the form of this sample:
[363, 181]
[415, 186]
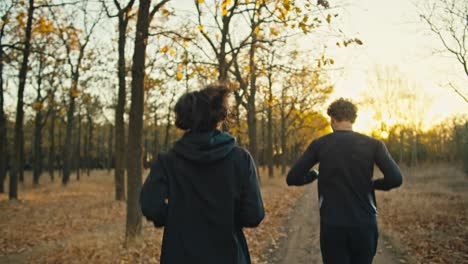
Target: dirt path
[301, 244]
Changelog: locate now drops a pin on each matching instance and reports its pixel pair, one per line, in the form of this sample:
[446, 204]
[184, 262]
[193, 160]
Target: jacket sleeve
[251, 211]
[300, 173]
[154, 195]
[391, 171]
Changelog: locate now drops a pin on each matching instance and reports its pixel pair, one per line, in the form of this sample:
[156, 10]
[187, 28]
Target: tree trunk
[276, 148]
[402, 147]
[238, 122]
[168, 129]
[61, 150]
[119, 173]
[110, 153]
[37, 148]
[262, 161]
[68, 146]
[270, 128]
[3, 142]
[89, 145]
[17, 167]
[51, 163]
[251, 108]
[3, 149]
[167, 137]
[100, 149]
[78, 147]
[37, 152]
[3, 127]
[223, 66]
[283, 143]
[156, 138]
[135, 135]
[414, 150]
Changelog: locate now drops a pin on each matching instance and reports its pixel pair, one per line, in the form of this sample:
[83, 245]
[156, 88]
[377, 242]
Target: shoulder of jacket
[238, 150]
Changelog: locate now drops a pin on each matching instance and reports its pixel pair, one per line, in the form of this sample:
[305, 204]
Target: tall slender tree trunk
[167, 135]
[263, 140]
[78, 146]
[37, 161]
[135, 135]
[251, 108]
[119, 173]
[89, 145]
[3, 126]
[270, 128]
[68, 148]
[23, 162]
[110, 153]
[17, 167]
[61, 150]
[100, 149]
[414, 150]
[283, 139]
[276, 148]
[37, 148]
[402, 146]
[238, 121]
[51, 163]
[156, 147]
[3, 141]
[223, 66]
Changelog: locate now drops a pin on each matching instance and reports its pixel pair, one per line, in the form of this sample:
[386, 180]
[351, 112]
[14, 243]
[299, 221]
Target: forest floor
[81, 223]
[427, 218]
[424, 221]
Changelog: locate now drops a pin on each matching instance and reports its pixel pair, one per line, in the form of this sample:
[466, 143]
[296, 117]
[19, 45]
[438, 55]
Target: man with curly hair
[204, 190]
[348, 210]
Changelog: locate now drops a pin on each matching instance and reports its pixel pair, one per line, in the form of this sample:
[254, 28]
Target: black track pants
[348, 245]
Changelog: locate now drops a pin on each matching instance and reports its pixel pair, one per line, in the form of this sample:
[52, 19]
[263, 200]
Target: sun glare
[384, 134]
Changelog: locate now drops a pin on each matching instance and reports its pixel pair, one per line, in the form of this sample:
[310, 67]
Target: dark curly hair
[204, 109]
[343, 110]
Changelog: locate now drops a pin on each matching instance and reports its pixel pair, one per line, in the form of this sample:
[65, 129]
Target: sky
[393, 35]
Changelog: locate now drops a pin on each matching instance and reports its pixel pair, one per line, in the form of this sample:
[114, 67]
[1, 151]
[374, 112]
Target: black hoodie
[203, 191]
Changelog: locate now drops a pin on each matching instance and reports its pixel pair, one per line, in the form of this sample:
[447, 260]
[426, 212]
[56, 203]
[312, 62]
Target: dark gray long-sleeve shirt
[346, 185]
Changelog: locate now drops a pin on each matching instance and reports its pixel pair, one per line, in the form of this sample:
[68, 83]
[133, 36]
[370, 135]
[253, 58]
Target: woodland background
[88, 87]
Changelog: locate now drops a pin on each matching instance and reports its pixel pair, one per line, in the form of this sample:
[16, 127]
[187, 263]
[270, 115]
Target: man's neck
[343, 126]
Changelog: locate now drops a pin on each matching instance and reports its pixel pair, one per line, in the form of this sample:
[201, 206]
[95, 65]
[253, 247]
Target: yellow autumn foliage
[179, 75]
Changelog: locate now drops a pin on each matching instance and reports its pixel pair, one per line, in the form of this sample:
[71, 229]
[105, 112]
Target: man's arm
[300, 173]
[251, 211]
[391, 171]
[154, 194]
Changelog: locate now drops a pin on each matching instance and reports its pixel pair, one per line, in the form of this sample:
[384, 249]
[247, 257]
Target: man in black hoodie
[348, 209]
[204, 190]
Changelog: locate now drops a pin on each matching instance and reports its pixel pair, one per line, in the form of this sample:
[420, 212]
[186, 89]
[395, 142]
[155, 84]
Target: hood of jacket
[204, 146]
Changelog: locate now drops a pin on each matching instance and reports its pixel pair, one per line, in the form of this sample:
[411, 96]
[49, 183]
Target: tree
[448, 20]
[397, 107]
[18, 141]
[75, 45]
[301, 92]
[124, 15]
[44, 44]
[39, 122]
[6, 13]
[135, 135]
